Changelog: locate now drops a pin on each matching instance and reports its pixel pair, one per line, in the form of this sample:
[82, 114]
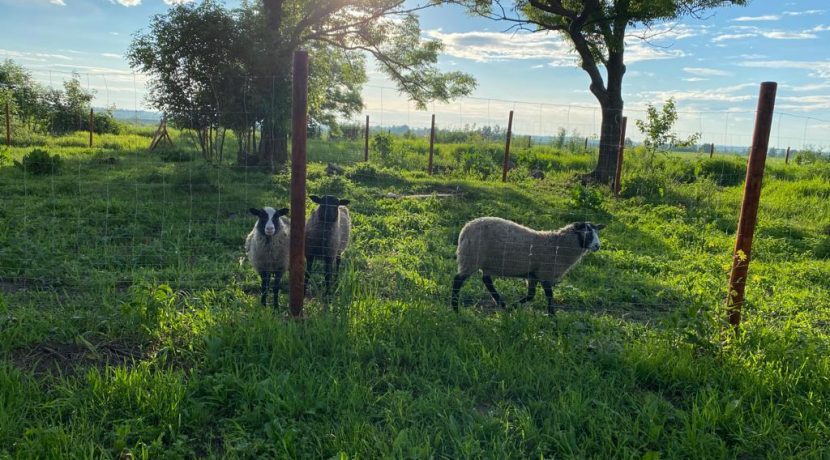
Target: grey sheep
[327, 234]
[499, 247]
[267, 248]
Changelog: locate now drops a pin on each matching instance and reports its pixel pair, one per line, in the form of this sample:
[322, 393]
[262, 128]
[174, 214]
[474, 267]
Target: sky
[712, 67]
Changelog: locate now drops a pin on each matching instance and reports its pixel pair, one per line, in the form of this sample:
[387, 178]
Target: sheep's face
[328, 207]
[269, 219]
[588, 234]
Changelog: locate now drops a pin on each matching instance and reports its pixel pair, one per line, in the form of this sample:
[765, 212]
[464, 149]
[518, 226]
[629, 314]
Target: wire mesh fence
[82, 221]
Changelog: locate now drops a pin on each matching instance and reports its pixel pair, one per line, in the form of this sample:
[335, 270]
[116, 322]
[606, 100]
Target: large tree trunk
[273, 147]
[611, 102]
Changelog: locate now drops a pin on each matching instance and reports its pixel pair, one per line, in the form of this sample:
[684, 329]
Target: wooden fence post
[299, 109]
[366, 141]
[620, 151]
[586, 144]
[787, 158]
[749, 207]
[431, 143]
[507, 148]
[91, 126]
[8, 125]
[711, 150]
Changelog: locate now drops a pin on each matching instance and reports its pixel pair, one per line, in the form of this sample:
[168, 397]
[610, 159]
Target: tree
[597, 30]
[658, 129]
[235, 65]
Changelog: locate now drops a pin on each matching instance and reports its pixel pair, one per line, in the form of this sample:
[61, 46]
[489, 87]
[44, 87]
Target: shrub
[586, 198]
[645, 185]
[176, 156]
[39, 161]
[723, 171]
[382, 144]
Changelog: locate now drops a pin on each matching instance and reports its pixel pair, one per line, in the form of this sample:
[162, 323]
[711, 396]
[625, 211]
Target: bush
[723, 171]
[39, 162]
[586, 198]
[176, 156]
[382, 144]
[645, 185]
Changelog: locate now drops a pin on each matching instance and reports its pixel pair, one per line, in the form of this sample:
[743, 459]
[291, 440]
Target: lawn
[129, 322]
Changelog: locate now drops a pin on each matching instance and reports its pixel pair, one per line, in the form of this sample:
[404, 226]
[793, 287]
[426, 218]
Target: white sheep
[499, 247]
[267, 248]
[327, 234]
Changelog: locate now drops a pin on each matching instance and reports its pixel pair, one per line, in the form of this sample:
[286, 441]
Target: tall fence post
[366, 141]
[620, 150]
[586, 145]
[787, 158]
[711, 150]
[91, 126]
[749, 207]
[299, 109]
[507, 148]
[431, 143]
[8, 125]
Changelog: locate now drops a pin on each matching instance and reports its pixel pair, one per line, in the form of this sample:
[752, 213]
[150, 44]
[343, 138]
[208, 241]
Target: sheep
[499, 247]
[267, 248]
[327, 233]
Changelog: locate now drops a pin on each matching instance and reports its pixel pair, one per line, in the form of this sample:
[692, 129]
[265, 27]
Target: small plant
[723, 171]
[39, 162]
[382, 144]
[583, 197]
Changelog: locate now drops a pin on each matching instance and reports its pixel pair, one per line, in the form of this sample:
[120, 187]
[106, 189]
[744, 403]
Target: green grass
[128, 324]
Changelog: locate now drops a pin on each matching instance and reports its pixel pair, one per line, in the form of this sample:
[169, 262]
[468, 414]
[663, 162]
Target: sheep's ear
[315, 199]
[282, 212]
[344, 202]
[599, 226]
[255, 211]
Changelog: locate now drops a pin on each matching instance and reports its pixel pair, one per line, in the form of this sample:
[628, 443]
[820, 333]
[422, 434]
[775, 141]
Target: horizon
[712, 68]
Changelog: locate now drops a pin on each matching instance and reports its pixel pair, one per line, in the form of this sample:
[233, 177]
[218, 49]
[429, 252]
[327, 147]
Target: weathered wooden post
[91, 126]
[431, 143]
[299, 109]
[749, 207]
[366, 141]
[8, 125]
[586, 145]
[711, 150]
[620, 150]
[787, 158]
[505, 164]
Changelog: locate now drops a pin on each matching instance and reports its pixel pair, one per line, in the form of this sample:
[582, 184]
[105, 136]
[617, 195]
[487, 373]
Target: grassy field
[128, 323]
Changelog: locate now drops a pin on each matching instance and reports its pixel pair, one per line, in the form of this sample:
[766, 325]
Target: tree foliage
[658, 129]
[214, 67]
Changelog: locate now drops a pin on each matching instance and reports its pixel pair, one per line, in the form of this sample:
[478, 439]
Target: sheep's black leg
[277, 282]
[488, 282]
[309, 262]
[327, 295]
[266, 277]
[457, 282]
[548, 287]
[531, 288]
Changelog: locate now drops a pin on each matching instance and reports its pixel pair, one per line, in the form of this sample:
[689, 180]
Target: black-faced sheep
[327, 233]
[499, 247]
[267, 248]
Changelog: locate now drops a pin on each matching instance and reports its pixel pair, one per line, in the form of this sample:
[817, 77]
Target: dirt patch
[54, 358]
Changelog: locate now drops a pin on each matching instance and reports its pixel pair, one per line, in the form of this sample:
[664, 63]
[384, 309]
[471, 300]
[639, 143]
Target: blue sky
[712, 67]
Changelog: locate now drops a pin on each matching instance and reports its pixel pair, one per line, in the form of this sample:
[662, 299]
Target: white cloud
[820, 28]
[177, 2]
[819, 69]
[35, 57]
[693, 79]
[57, 2]
[768, 17]
[112, 55]
[483, 46]
[725, 94]
[752, 31]
[802, 13]
[706, 72]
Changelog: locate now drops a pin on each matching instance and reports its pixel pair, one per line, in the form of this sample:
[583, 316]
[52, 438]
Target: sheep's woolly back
[269, 253]
[323, 240]
[499, 247]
